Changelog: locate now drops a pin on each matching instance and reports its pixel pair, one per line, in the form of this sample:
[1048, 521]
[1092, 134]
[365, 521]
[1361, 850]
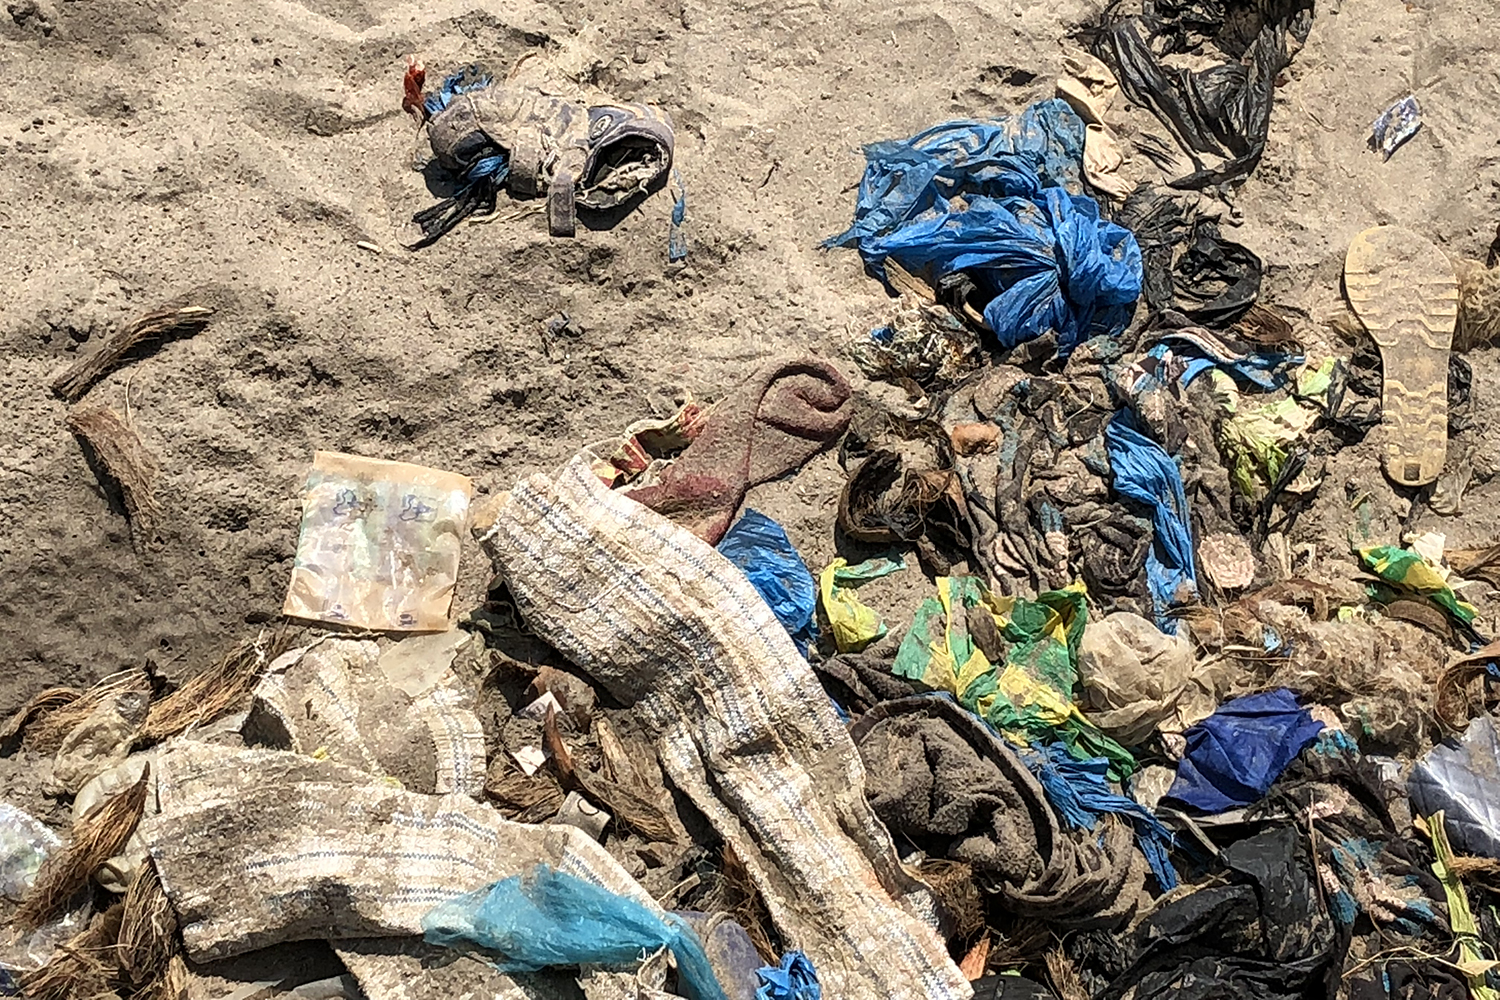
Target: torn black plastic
[1222, 112]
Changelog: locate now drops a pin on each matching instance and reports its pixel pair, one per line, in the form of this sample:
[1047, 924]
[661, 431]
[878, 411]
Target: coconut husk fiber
[45, 721]
[122, 459]
[217, 690]
[172, 321]
[39, 706]
[97, 837]
[128, 950]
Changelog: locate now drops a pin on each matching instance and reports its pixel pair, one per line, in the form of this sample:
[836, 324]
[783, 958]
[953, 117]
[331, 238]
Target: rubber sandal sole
[1405, 292]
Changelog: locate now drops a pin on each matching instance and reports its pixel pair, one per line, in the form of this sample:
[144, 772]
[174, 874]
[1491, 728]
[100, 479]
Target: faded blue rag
[1001, 201]
[1079, 793]
[1145, 473]
[1236, 754]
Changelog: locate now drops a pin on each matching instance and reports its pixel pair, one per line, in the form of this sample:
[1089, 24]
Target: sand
[252, 156]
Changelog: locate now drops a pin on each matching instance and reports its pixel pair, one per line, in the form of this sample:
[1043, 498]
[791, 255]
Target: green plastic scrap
[1408, 571]
[1028, 697]
[1472, 961]
[853, 623]
[1313, 383]
[1258, 441]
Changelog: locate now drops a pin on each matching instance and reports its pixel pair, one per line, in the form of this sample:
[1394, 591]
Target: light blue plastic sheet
[548, 918]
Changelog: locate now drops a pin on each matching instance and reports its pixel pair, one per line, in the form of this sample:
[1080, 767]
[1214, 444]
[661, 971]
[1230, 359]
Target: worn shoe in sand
[1404, 291]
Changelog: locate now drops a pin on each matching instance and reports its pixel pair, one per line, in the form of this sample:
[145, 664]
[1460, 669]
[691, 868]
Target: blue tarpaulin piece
[1144, 472]
[760, 548]
[548, 918]
[1001, 201]
[1080, 795]
[1235, 754]
[795, 979]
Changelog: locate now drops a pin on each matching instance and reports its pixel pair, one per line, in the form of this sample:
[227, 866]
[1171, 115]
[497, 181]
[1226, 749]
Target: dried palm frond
[525, 799]
[631, 810]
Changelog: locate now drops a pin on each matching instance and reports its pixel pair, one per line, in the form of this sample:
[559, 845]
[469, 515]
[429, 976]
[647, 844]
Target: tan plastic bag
[380, 544]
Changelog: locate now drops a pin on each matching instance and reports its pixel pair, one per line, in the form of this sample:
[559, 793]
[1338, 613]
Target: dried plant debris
[98, 836]
[217, 690]
[45, 721]
[121, 457]
[131, 950]
[38, 707]
[178, 321]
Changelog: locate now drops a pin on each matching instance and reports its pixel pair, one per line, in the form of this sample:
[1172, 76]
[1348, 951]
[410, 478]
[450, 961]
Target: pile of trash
[1134, 741]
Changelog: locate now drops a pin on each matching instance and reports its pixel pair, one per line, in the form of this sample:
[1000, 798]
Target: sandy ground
[239, 151]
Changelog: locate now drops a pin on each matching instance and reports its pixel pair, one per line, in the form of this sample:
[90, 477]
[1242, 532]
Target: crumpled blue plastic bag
[760, 548]
[794, 979]
[547, 918]
[1235, 755]
[1001, 201]
[1144, 472]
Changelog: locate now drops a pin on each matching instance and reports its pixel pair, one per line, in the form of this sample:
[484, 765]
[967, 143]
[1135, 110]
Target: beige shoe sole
[1404, 291]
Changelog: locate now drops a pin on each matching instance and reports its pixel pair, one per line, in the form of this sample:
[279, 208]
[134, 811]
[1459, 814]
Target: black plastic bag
[1222, 112]
[1190, 268]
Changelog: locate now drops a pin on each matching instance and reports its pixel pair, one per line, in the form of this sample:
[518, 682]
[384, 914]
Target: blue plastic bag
[1144, 472]
[1001, 201]
[546, 918]
[794, 979]
[1235, 755]
[760, 548]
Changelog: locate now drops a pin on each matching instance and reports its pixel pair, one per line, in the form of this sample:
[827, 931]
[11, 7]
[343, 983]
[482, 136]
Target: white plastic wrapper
[380, 544]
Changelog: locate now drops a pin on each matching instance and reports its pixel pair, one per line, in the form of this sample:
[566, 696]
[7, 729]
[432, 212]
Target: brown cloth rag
[771, 425]
[941, 779]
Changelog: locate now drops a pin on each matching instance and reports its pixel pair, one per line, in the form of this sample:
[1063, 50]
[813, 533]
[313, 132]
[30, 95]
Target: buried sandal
[489, 135]
[1404, 291]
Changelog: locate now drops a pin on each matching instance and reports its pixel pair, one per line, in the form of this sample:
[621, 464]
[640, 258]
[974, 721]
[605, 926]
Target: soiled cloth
[332, 697]
[771, 425]
[256, 847]
[943, 779]
[669, 626]
[1139, 680]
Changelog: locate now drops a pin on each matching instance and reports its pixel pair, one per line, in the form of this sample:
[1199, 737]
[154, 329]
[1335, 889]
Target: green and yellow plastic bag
[853, 623]
[1029, 696]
